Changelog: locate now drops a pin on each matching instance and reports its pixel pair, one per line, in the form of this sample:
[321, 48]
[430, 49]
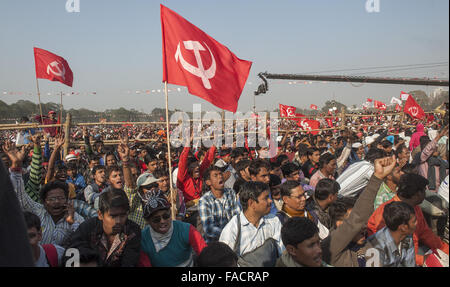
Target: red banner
[193, 59]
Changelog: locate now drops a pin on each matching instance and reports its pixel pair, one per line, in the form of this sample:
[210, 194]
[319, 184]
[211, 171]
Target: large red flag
[52, 67]
[287, 111]
[193, 59]
[379, 105]
[413, 109]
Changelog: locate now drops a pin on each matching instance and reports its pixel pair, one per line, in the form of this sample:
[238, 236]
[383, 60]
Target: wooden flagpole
[39, 99]
[173, 198]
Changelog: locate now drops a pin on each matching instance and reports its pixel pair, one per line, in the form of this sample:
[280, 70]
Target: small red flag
[379, 105]
[161, 118]
[309, 125]
[398, 108]
[52, 67]
[313, 107]
[413, 109]
[193, 59]
[287, 111]
[369, 100]
[330, 122]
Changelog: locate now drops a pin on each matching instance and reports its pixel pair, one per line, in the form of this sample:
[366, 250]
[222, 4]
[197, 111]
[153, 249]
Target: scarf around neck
[161, 240]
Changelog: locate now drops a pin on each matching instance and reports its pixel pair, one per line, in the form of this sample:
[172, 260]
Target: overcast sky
[114, 48]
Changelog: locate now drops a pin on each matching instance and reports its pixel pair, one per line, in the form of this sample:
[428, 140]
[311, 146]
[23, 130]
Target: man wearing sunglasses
[167, 242]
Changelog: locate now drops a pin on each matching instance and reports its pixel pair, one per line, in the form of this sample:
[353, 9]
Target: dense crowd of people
[372, 192]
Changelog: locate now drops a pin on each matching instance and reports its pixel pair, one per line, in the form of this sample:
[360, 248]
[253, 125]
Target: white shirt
[252, 237]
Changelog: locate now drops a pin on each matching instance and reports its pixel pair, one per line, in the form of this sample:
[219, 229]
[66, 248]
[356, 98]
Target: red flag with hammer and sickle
[287, 111]
[193, 59]
[413, 109]
[52, 67]
[309, 125]
[379, 105]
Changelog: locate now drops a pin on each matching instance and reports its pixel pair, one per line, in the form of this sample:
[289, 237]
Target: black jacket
[88, 238]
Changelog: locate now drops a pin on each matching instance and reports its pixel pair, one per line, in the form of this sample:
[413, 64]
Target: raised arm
[59, 142]
[33, 185]
[342, 236]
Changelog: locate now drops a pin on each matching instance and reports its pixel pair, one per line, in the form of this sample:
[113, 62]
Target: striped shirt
[34, 182]
[52, 233]
[215, 213]
[355, 178]
[252, 237]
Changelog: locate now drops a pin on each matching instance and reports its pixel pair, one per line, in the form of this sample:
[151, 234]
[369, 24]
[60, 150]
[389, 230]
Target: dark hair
[325, 187]
[52, 186]
[296, 230]
[207, 174]
[72, 166]
[274, 180]
[281, 158]
[424, 140]
[217, 254]
[400, 149]
[236, 153]
[94, 157]
[111, 169]
[32, 220]
[339, 208]
[256, 166]
[251, 190]
[160, 172]
[149, 158]
[110, 153]
[311, 150]
[375, 153]
[289, 168]
[397, 213]
[411, 184]
[113, 198]
[409, 168]
[97, 168]
[325, 159]
[386, 144]
[241, 165]
[287, 186]
[274, 165]
[89, 255]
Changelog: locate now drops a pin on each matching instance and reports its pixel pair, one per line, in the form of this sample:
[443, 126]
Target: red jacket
[192, 188]
[423, 233]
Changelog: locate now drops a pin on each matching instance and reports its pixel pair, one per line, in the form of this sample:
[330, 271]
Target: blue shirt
[389, 253]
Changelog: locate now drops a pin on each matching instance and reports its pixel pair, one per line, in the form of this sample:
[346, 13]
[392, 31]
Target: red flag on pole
[369, 100]
[52, 67]
[379, 105]
[413, 109]
[193, 59]
[287, 111]
[309, 125]
[398, 108]
[313, 107]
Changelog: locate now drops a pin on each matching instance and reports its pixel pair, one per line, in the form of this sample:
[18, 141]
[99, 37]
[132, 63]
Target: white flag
[394, 100]
[404, 96]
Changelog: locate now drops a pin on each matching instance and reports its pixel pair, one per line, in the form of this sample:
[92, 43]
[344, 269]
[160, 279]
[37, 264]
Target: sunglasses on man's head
[157, 219]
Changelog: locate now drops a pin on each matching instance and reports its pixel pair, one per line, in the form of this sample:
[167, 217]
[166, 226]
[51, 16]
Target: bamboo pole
[172, 191]
[66, 135]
